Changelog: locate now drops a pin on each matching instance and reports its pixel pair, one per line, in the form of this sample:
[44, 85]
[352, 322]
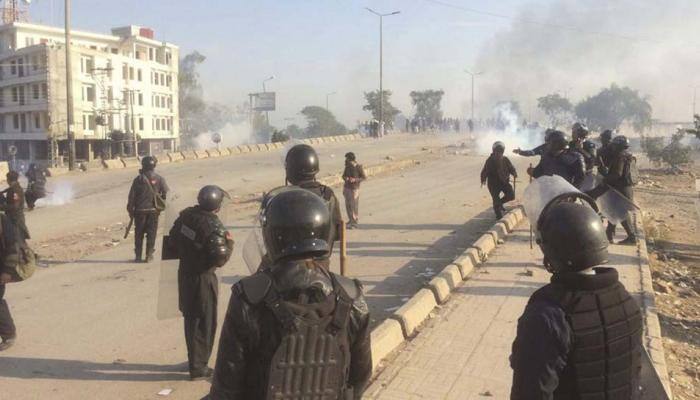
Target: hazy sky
[314, 47]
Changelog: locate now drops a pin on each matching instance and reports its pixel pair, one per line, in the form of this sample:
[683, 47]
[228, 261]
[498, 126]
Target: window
[150, 54]
[44, 91]
[155, 77]
[20, 67]
[140, 99]
[110, 94]
[139, 75]
[15, 121]
[23, 122]
[125, 71]
[89, 122]
[115, 51]
[140, 124]
[170, 80]
[21, 95]
[13, 67]
[87, 64]
[158, 101]
[89, 93]
[131, 73]
[37, 121]
[2, 100]
[157, 124]
[35, 63]
[29, 41]
[15, 94]
[2, 123]
[35, 92]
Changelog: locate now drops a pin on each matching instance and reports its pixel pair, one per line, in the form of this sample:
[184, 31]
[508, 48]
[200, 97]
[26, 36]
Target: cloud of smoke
[232, 134]
[647, 45]
[513, 135]
[57, 195]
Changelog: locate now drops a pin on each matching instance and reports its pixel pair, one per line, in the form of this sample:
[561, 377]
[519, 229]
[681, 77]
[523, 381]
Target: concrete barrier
[440, 289]
[465, 265]
[201, 154]
[244, 148]
[476, 255]
[500, 230]
[113, 164]
[261, 147]
[234, 150]
[415, 311]
[452, 275]
[211, 153]
[385, 338]
[189, 155]
[278, 145]
[485, 243]
[131, 162]
[225, 151]
[175, 157]
[58, 171]
[509, 221]
[163, 159]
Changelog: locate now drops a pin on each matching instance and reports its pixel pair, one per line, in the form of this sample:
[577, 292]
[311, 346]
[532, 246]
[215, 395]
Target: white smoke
[514, 136]
[576, 48]
[57, 195]
[231, 135]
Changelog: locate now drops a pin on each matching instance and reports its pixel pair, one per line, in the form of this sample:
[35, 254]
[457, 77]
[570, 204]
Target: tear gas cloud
[513, 135]
[57, 194]
[648, 45]
[232, 134]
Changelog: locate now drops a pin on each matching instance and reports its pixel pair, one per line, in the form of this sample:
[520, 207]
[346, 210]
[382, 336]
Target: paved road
[88, 329]
[462, 353]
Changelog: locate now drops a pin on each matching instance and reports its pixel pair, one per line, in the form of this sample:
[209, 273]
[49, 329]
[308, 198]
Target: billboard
[264, 101]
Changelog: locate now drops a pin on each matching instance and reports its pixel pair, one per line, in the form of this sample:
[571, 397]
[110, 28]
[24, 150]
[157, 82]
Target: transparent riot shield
[590, 181]
[167, 306]
[615, 206]
[541, 192]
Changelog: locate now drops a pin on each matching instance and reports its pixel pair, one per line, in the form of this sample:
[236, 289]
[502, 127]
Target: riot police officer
[294, 328]
[496, 174]
[618, 177]
[36, 186]
[558, 160]
[583, 146]
[146, 201]
[13, 203]
[202, 243]
[604, 154]
[301, 166]
[8, 331]
[580, 335]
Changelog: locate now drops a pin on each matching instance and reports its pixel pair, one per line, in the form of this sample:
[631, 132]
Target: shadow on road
[42, 368]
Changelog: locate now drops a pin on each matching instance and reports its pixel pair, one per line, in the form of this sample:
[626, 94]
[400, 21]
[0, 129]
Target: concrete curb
[113, 164]
[653, 340]
[404, 322]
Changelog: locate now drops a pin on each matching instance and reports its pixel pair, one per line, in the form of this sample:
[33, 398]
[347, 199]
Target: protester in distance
[202, 244]
[294, 320]
[580, 335]
[36, 186]
[13, 203]
[146, 201]
[353, 175]
[496, 175]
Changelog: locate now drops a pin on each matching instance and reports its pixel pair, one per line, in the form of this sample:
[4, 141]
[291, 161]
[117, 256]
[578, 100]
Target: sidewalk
[462, 353]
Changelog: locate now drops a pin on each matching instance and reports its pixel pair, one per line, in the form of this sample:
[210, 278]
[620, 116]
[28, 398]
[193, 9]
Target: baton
[530, 221]
[128, 227]
[343, 249]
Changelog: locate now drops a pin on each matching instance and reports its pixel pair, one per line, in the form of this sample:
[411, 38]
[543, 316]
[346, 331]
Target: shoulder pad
[352, 287]
[255, 287]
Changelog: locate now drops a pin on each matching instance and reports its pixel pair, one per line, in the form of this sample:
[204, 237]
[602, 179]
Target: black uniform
[589, 158]
[14, 207]
[295, 302]
[537, 151]
[8, 233]
[142, 207]
[605, 155]
[202, 244]
[496, 173]
[36, 188]
[579, 337]
[567, 164]
[327, 194]
[619, 177]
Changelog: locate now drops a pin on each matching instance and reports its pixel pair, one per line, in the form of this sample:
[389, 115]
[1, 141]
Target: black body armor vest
[606, 324]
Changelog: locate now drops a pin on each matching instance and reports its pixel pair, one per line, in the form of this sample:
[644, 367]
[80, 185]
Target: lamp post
[327, 96]
[473, 74]
[380, 127]
[69, 92]
[695, 97]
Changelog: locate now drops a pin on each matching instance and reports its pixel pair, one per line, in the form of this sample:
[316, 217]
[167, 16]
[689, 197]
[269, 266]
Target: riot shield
[590, 181]
[254, 249]
[168, 306]
[541, 192]
[615, 206]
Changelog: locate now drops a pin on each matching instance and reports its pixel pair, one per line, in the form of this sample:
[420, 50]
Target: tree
[190, 104]
[427, 103]
[556, 108]
[322, 122]
[676, 153]
[613, 106]
[372, 99]
[294, 131]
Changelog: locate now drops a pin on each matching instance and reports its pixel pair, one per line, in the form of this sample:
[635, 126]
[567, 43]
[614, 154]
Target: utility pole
[328, 95]
[69, 93]
[133, 123]
[380, 126]
[473, 74]
[695, 97]
[267, 113]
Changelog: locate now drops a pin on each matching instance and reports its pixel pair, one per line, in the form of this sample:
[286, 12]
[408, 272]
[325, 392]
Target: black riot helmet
[301, 163]
[571, 236]
[210, 197]
[350, 156]
[590, 147]
[498, 147]
[621, 142]
[606, 136]
[296, 225]
[558, 141]
[548, 134]
[579, 131]
[148, 163]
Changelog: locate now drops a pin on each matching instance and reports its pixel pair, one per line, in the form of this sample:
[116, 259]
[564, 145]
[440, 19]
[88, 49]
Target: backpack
[158, 200]
[17, 256]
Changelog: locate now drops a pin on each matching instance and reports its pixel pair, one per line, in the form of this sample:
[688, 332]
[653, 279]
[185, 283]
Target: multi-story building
[123, 83]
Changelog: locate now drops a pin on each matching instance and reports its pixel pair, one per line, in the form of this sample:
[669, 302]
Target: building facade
[124, 86]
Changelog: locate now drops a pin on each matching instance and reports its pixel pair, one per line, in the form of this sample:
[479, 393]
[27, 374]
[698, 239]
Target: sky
[315, 47]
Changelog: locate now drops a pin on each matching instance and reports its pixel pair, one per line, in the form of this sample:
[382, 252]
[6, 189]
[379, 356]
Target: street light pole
[69, 93]
[380, 127]
[328, 95]
[695, 97]
[473, 74]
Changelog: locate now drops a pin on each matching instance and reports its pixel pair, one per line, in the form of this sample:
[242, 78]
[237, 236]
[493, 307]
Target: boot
[610, 232]
[631, 236]
[149, 256]
[137, 258]
[7, 343]
[201, 375]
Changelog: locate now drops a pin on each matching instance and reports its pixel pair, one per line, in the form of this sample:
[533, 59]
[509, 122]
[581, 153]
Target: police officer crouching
[294, 330]
[579, 336]
[202, 244]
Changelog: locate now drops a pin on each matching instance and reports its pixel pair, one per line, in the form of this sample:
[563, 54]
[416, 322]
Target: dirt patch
[671, 221]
